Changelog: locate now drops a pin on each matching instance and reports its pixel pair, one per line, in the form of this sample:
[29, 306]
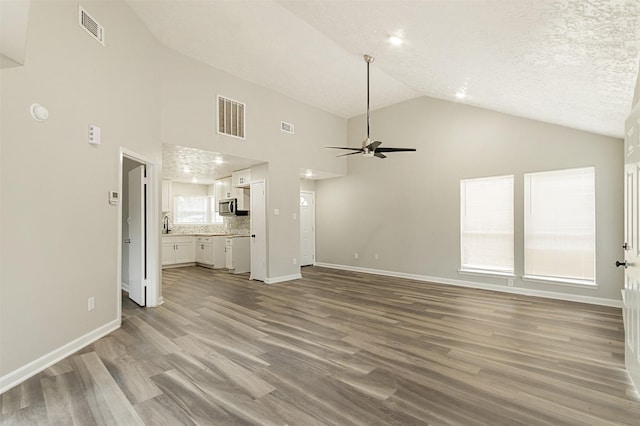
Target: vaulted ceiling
[568, 62]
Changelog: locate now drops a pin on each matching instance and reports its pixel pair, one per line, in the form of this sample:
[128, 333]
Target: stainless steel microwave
[229, 208]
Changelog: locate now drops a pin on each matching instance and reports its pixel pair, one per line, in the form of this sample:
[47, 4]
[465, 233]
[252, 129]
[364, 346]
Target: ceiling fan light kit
[370, 149]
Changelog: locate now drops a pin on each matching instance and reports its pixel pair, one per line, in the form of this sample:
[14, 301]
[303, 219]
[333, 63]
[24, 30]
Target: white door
[307, 228]
[631, 292]
[136, 221]
[258, 231]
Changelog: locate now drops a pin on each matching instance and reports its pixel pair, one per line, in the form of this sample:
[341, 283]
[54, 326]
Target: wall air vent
[230, 117]
[91, 25]
[286, 127]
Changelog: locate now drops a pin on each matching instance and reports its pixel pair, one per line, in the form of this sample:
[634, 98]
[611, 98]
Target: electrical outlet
[510, 282]
[91, 303]
[295, 261]
[355, 255]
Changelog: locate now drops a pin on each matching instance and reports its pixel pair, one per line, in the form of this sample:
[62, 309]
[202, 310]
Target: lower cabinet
[210, 251]
[177, 250]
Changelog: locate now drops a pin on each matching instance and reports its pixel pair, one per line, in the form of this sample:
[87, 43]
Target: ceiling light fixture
[396, 40]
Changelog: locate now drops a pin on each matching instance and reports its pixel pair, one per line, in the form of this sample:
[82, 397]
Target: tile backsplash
[230, 225]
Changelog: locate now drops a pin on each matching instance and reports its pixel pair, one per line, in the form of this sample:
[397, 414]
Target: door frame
[266, 232]
[154, 297]
[313, 224]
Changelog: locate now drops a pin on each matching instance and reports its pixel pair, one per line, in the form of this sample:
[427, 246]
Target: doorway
[307, 228]
[631, 246]
[258, 220]
[138, 264]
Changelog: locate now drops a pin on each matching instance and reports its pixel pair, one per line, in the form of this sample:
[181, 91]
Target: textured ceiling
[569, 62]
[184, 164]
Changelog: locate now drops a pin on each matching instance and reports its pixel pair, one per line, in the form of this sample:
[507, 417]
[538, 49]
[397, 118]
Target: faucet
[165, 225]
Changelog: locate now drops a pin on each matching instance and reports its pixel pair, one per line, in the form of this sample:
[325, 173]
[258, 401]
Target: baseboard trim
[125, 286]
[474, 284]
[18, 376]
[282, 279]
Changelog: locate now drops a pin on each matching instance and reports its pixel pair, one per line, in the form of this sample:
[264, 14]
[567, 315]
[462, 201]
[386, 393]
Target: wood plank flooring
[339, 348]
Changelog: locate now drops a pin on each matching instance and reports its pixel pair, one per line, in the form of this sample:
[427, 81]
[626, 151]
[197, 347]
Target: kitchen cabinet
[166, 195]
[242, 195]
[210, 251]
[204, 251]
[241, 178]
[238, 255]
[178, 250]
[223, 190]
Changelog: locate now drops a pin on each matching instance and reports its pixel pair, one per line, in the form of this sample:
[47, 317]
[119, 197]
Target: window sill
[481, 273]
[560, 281]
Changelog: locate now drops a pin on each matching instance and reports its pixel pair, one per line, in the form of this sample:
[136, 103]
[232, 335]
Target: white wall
[59, 241]
[189, 119]
[406, 207]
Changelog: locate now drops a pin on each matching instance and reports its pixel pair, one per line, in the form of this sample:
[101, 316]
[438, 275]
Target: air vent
[286, 127]
[230, 117]
[91, 25]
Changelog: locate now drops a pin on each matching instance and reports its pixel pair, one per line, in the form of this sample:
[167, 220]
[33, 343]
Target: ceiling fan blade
[373, 145]
[344, 147]
[395, 149]
[350, 153]
[379, 155]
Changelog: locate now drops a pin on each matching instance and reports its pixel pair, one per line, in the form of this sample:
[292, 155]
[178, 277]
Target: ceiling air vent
[91, 25]
[230, 117]
[286, 127]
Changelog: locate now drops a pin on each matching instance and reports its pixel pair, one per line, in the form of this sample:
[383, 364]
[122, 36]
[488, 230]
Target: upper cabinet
[241, 178]
[223, 189]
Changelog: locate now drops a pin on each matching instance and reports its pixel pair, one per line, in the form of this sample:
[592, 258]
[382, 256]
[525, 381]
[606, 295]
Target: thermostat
[114, 197]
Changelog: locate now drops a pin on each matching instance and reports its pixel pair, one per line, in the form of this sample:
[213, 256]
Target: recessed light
[186, 169]
[396, 40]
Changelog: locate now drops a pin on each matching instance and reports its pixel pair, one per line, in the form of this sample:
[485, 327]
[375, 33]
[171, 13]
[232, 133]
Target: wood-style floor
[339, 348]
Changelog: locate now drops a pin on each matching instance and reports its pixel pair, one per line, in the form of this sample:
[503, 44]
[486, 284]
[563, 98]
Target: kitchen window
[486, 225]
[195, 210]
[559, 224]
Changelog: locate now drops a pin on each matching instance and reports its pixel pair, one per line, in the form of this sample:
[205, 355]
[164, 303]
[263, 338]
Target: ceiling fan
[370, 149]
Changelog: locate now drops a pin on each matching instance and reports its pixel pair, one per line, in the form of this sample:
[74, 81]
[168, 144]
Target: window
[486, 225]
[559, 225]
[195, 210]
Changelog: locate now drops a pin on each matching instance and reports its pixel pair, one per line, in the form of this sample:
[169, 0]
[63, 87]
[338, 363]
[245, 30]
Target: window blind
[486, 224]
[559, 240]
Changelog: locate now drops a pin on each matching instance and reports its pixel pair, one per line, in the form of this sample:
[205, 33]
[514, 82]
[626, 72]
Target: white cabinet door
[218, 251]
[204, 250]
[200, 252]
[241, 178]
[185, 252]
[207, 254]
[168, 254]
